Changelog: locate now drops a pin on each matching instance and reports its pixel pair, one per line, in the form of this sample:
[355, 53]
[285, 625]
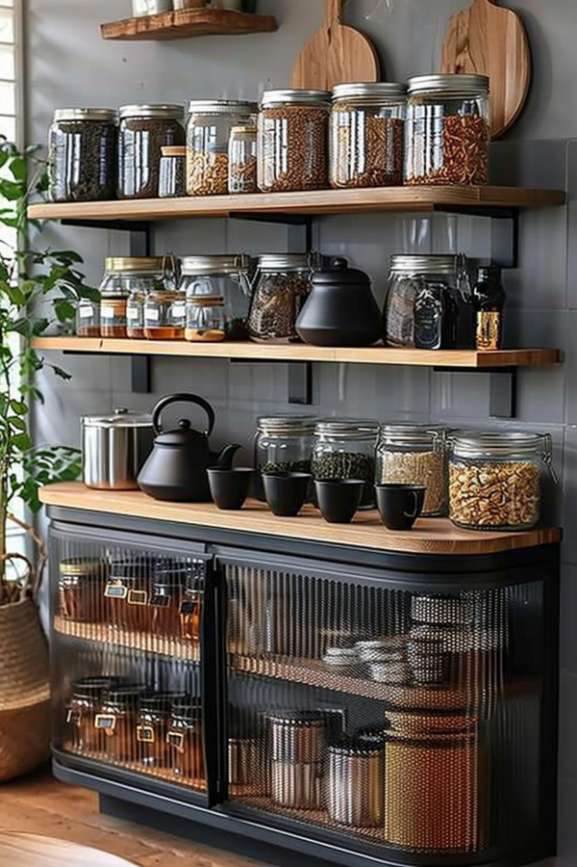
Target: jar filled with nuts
[292, 145]
[345, 449]
[414, 454]
[282, 285]
[448, 131]
[242, 160]
[210, 122]
[496, 479]
[367, 135]
[144, 131]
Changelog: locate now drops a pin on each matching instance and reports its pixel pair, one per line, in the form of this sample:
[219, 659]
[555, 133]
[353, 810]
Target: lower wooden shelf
[165, 774]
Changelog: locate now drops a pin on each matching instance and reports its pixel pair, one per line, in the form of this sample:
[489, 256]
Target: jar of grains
[368, 135]
[208, 132]
[415, 454]
[345, 449]
[242, 160]
[282, 285]
[82, 157]
[283, 444]
[144, 131]
[292, 144]
[495, 479]
[217, 292]
[448, 130]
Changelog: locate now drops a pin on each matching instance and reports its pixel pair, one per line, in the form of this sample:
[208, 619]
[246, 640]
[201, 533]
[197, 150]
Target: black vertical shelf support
[140, 241]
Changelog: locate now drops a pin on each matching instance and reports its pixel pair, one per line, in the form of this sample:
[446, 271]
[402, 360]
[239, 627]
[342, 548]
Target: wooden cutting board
[335, 54]
[490, 40]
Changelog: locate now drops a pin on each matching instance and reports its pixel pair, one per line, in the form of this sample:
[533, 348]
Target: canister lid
[339, 274]
[192, 266]
[287, 424]
[360, 747]
[451, 84]
[441, 610]
[122, 418]
[137, 263]
[166, 111]
[288, 261]
[348, 428]
[419, 264]
[160, 702]
[188, 708]
[102, 114]
[297, 96]
[92, 687]
[384, 90]
[79, 566]
[495, 443]
[222, 106]
[298, 719]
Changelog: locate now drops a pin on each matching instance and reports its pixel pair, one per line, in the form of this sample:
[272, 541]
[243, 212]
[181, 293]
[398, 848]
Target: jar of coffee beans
[208, 132]
[345, 449]
[82, 162]
[144, 131]
[292, 144]
[368, 135]
[282, 285]
[283, 444]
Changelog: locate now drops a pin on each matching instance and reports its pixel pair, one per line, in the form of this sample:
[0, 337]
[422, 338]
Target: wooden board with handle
[491, 40]
[336, 54]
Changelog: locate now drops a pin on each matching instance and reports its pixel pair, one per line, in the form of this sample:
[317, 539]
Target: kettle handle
[182, 398]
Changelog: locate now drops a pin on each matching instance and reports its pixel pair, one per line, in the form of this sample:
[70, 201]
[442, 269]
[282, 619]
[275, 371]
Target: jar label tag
[137, 597]
[116, 591]
[106, 722]
[176, 740]
[145, 734]
[152, 315]
[86, 311]
[107, 312]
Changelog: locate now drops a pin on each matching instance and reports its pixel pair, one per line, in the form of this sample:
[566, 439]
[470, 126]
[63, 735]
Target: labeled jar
[367, 137]
[144, 131]
[172, 180]
[242, 173]
[166, 598]
[496, 479]
[448, 130]
[184, 738]
[282, 285]
[82, 160]
[218, 290]
[415, 454]
[113, 312]
[165, 314]
[139, 276]
[128, 591]
[210, 122]
[191, 609]
[85, 701]
[355, 783]
[292, 143]
[116, 720]
[152, 724]
[345, 449]
[87, 318]
[80, 589]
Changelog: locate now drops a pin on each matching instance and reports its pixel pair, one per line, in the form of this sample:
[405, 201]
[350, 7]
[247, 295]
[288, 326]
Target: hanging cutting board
[491, 40]
[335, 54]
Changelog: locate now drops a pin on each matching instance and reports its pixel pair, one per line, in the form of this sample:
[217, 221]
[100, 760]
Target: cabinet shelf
[101, 633]
[184, 24]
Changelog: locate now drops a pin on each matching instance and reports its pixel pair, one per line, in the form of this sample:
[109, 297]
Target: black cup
[400, 505]
[339, 499]
[286, 492]
[229, 488]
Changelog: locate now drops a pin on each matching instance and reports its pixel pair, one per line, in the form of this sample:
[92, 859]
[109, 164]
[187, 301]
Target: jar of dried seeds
[82, 162]
[144, 131]
[282, 285]
[283, 444]
[292, 144]
[208, 132]
[448, 130]
[414, 454]
[345, 449]
[367, 135]
[242, 160]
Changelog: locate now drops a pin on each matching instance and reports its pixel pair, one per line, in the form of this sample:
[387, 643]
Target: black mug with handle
[400, 505]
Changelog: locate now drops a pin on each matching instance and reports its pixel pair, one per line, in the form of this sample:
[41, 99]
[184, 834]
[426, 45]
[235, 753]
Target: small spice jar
[113, 312]
[282, 285]
[128, 592]
[415, 454]
[117, 721]
[345, 449]
[242, 175]
[87, 318]
[208, 131]
[82, 162]
[139, 276]
[172, 180]
[184, 738]
[144, 131]
[80, 589]
[448, 130]
[165, 314]
[191, 609]
[85, 701]
[292, 143]
[152, 723]
[218, 294]
[367, 135]
[167, 596]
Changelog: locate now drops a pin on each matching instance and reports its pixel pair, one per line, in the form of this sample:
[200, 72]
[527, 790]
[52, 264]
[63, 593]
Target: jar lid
[412, 433]
[222, 106]
[287, 424]
[348, 428]
[136, 263]
[288, 261]
[300, 97]
[102, 114]
[450, 84]
[130, 569]
[441, 610]
[168, 112]
[92, 687]
[192, 266]
[173, 151]
[419, 264]
[298, 718]
[125, 693]
[364, 746]
[339, 274]
[499, 443]
[188, 708]
[363, 89]
[160, 702]
[80, 566]
[122, 418]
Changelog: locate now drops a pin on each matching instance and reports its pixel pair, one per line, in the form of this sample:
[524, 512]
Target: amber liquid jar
[166, 600]
[117, 723]
[191, 611]
[113, 310]
[80, 590]
[165, 315]
[185, 740]
[128, 594]
[85, 702]
[152, 724]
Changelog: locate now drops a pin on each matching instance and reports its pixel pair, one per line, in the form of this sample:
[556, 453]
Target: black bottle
[489, 298]
[435, 314]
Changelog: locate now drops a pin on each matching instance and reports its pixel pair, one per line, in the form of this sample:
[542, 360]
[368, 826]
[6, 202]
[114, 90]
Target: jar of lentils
[82, 161]
[282, 285]
[415, 454]
[345, 449]
[448, 130]
[284, 444]
[368, 135]
[210, 122]
[144, 131]
[292, 144]
[496, 479]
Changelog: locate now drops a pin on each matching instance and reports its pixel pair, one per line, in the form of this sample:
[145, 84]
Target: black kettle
[341, 309]
[176, 468]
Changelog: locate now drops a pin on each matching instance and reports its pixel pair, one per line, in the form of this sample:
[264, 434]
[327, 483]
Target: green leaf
[18, 406]
[21, 441]
[19, 169]
[63, 374]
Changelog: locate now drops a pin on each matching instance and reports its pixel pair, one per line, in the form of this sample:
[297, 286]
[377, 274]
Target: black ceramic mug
[339, 499]
[229, 488]
[400, 505]
[286, 492]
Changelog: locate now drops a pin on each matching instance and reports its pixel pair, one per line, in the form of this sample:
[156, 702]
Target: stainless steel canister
[298, 746]
[114, 449]
[355, 784]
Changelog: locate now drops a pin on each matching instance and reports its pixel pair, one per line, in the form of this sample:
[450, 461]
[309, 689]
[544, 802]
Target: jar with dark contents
[85, 701]
[282, 285]
[184, 738]
[82, 161]
[116, 720]
[144, 131]
[345, 449]
[152, 725]
[167, 597]
[283, 444]
[80, 589]
[191, 609]
[128, 592]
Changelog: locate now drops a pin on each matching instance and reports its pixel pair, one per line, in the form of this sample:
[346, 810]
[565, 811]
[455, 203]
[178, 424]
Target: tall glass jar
[368, 135]
[184, 737]
[210, 122]
[85, 701]
[448, 130]
[242, 160]
[282, 285]
[82, 161]
[292, 145]
[87, 318]
[217, 297]
[80, 589]
[152, 724]
[415, 454]
[496, 479]
[144, 131]
[345, 449]
[283, 444]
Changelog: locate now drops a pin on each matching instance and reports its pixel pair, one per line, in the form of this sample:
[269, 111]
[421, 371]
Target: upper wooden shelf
[430, 535]
[187, 23]
[399, 199]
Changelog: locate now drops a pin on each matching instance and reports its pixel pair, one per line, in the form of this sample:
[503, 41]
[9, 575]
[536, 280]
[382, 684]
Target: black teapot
[176, 468]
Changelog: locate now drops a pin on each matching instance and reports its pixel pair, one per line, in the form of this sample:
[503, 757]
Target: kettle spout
[226, 457]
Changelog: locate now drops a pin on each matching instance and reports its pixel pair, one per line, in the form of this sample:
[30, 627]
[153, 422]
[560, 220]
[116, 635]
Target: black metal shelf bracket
[503, 385]
[504, 231]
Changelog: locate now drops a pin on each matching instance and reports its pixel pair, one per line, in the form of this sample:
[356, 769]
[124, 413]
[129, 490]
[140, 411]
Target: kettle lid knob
[184, 424]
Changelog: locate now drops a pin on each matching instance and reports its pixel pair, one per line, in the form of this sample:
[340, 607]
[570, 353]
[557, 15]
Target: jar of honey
[152, 722]
[116, 721]
[166, 599]
[185, 739]
[165, 314]
[85, 701]
[128, 592]
[80, 589]
[191, 610]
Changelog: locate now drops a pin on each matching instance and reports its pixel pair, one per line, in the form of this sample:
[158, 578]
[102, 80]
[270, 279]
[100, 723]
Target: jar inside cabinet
[81, 589]
[209, 127]
[166, 598]
[242, 173]
[84, 705]
[144, 131]
[128, 593]
[82, 157]
[414, 454]
[152, 724]
[345, 449]
[116, 720]
[185, 741]
[191, 609]
[282, 285]
[218, 294]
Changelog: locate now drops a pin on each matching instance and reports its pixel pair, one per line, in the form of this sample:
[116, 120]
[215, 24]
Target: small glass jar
[139, 276]
[448, 130]
[144, 131]
[165, 314]
[166, 599]
[128, 592]
[117, 721]
[85, 701]
[345, 449]
[415, 454]
[80, 590]
[284, 444]
[217, 297]
[281, 287]
[242, 160]
[113, 312]
[207, 139]
[87, 318]
[292, 143]
[185, 741]
[152, 724]
[172, 181]
[368, 135]
[191, 609]
[82, 162]
[496, 479]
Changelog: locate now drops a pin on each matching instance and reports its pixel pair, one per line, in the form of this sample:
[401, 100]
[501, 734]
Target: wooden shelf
[399, 199]
[430, 535]
[187, 23]
[164, 774]
[450, 358]
[102, 633]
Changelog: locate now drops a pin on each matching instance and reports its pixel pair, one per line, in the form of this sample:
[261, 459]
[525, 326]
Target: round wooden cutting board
[28, 850]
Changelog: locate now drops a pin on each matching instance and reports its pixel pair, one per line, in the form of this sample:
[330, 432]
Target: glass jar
[117, 721]
[191, 610]
[217, 297]
[85, 700]
[415, 454]
[87, 318]
[345, 449]
[139, 276]
[166, 599]
[172, 180]
[242, 160]
[82, 162]
[448, 130]
[185, 740]
[292, 143]
[144, 131]
[210, 122]
[80, 590]
[113, 312]
[368, 135]
[284, 444]
[496, 479]
[152, 723]
[281, 287]
[128, 592]
[165, 314]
